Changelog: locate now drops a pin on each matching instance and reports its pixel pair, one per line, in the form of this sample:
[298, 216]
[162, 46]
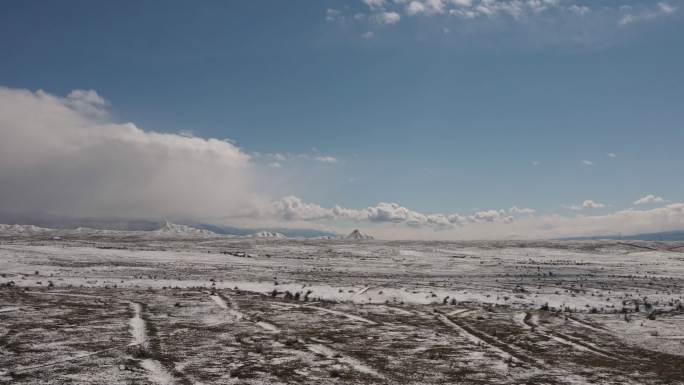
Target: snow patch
[267, 234]
[156, 372]
[138, 329]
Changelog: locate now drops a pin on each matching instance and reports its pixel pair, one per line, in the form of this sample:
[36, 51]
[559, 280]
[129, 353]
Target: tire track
[565, 339]
[229, 306]
[459, 312]
[333, 354]
[478, 337]
[317, 348]
[586, 324]
[350, 316]
[25, 369]
[138, 329]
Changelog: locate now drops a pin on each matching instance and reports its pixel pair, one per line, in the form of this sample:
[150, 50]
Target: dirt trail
[157, 373]
[228, 305]
[268, 327]
[459, 312]
[138, 328]
[219, 301]
[521, 319]
[58, 362]
[478, 337]
[342, 314]
[397, 310]
[350, 316]
[355, 364]
[586, 324]
[565, 339]
[362, 291]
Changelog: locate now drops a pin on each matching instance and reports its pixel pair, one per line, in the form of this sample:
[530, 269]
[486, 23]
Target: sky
[426, 119]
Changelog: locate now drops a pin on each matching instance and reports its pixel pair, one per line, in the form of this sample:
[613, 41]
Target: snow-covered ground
[203, 308]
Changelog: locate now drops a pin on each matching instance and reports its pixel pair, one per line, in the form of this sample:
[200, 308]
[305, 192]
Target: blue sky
[440, 106]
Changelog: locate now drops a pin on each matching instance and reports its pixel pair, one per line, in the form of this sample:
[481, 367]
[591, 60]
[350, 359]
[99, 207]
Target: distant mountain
[169, 228]
[22, 229]
[327, 237]
[357, 235]
[289, 233]
[106, 225]
[662, 236]
[266, 234]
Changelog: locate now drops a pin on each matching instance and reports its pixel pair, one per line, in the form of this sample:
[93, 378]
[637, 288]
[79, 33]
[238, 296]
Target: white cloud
[464, 13]
[580, 13]
[612, 155]
[373, 4]
[586, 205]
[62, 156]
[540, 5]
[536, 163]
[517, 9]
[388, 18]
[435, 6]
[277, 159]
[632, 15]
[393, 212]
[393, 221]
[515, 210]
[385, 213]
[666, 8]
[415, 8]
[333, 15]
[87, 102]
[587, 163]
[292, 208]
[491, 216]
[589, 204]
[326, 159]
[368, 35]
[628, 221]
[427, 7]
[648, 199]
[579, 9]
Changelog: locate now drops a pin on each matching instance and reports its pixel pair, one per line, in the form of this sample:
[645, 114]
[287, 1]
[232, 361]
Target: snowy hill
[357, 235]
[21, 229]
[327, 238]
[175, 229]
[266, 234]
[86, 231]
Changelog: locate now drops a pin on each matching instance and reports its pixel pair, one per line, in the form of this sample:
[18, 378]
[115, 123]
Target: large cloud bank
[65, 156]
[392, 220]
[291, 208]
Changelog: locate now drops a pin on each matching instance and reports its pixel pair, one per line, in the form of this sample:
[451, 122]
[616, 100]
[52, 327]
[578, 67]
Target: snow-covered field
[185, 307]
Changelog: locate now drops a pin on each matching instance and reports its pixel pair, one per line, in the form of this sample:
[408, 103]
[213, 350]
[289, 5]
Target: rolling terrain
[182, 307]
